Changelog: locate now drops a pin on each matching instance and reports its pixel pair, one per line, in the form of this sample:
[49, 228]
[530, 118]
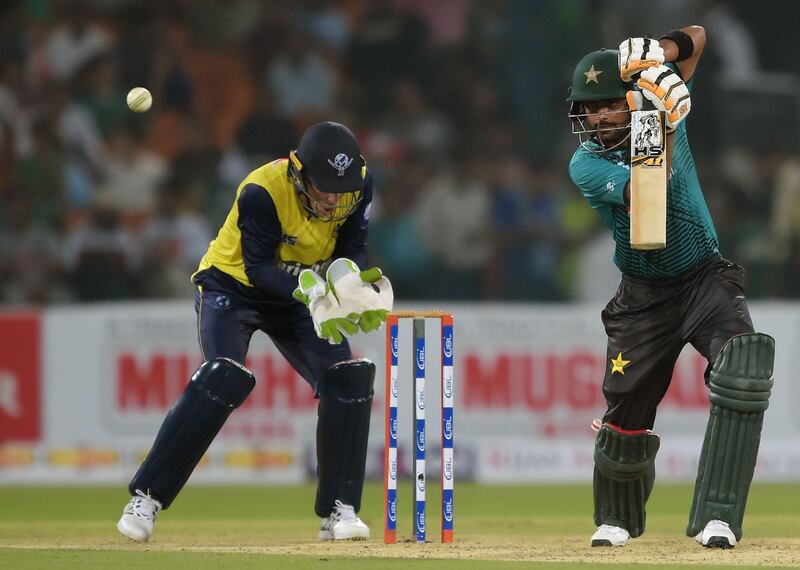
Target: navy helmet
[328, 156]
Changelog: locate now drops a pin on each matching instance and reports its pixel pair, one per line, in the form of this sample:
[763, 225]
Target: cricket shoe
[139, 517]
[343, 524]
[716, 534]
[609, 535]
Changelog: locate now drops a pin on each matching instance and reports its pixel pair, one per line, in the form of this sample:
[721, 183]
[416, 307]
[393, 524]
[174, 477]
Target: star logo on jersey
[592, 74]
[618, 365]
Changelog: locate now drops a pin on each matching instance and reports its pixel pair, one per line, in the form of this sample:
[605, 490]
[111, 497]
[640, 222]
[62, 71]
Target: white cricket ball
[139, 99]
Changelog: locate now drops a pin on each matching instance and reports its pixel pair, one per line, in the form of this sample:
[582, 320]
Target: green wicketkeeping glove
[330, 321]
[366, 296]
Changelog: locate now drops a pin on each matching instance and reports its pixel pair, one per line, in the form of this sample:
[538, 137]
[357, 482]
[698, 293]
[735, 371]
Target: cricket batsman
[683, 293]
[293, 221]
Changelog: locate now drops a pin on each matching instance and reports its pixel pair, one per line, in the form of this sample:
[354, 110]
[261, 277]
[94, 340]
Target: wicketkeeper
[683, 293]
[293, 220]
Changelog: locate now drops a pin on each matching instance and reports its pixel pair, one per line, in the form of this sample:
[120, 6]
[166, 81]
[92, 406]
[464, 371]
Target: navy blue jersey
[268, 237]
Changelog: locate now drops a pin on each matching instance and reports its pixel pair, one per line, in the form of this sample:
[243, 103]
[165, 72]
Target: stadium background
[460, 110]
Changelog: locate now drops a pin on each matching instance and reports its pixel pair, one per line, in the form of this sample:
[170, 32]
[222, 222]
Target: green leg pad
[624, 473]
[740, 385]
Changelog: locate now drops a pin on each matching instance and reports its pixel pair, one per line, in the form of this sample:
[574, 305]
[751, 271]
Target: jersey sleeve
[600, 180]
[261, 234]
[352, 239]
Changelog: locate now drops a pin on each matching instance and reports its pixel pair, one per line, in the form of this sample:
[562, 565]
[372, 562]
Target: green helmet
[596, 78]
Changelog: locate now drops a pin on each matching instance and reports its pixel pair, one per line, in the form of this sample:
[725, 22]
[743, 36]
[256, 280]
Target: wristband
[684, 43]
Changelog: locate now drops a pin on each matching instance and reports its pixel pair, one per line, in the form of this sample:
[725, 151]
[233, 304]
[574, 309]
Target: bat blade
[648, 180]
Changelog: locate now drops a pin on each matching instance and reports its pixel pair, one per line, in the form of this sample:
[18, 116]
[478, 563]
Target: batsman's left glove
[667, 92]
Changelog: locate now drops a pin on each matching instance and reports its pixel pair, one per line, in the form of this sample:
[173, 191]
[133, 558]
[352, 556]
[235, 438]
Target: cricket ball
[139, 99]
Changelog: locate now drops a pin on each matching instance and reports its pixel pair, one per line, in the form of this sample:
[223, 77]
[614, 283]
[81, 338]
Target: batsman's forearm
[687, 66]
[696, 33]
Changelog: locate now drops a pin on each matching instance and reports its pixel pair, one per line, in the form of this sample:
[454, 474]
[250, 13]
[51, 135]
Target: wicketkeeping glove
[662, 87]
[330, 321]
[366, 296]
[638, 54]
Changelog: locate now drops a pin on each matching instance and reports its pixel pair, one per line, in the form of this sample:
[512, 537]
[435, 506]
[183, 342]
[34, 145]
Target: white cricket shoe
[343, 524]
[609, 535]
[716, 534]
[139, 517]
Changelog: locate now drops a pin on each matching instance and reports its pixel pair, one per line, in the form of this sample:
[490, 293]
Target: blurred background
[459, 108]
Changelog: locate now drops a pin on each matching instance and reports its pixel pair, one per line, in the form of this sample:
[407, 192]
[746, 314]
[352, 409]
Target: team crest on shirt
[287, 239]
[341, 162]
[221, 302]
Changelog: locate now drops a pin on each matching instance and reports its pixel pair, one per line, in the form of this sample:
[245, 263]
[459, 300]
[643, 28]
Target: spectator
[41, 174]
[304, 84]
[133, 175]
[76, 41]
[29, 259]
[263, 136]
[387, 46]
[525, 217]
[101, 259]
[174, 240]
[394, 235]
[324, 21]
[415, 121]
[453, 221]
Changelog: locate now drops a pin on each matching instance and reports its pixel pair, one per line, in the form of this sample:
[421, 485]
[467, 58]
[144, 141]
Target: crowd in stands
[458, 104]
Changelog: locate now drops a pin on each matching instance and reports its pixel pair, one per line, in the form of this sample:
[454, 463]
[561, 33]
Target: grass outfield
[274, 527]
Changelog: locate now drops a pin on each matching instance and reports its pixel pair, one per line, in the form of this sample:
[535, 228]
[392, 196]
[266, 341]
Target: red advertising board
[20, 377]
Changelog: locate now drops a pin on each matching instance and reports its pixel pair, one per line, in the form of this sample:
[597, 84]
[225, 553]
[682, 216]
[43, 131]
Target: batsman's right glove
[638, 54]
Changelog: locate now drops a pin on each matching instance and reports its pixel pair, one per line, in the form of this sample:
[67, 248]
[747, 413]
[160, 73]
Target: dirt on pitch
[559, 549]
[679, 550]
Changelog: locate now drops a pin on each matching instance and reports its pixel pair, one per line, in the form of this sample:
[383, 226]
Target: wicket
[447, 399]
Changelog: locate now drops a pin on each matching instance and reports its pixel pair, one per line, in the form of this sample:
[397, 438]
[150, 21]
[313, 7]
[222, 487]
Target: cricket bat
[648, 179]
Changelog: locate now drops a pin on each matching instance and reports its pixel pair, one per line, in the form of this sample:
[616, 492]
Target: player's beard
[612, 135]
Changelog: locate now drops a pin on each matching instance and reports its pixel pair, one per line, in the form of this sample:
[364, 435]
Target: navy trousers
[226, 322]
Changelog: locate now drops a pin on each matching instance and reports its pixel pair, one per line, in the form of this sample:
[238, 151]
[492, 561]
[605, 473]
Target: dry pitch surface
[270, 527]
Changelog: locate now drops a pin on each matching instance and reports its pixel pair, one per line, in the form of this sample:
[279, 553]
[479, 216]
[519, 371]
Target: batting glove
[638, 54]
[366, 296]
[330, 320]
[667, 92]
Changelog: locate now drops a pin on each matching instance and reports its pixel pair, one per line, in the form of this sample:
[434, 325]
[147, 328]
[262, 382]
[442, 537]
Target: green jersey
[691, 237]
